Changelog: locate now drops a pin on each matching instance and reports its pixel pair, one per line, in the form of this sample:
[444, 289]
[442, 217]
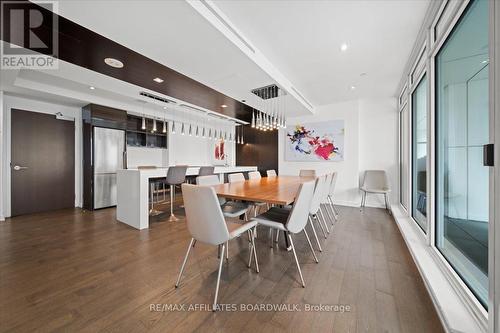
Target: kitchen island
[133, 191]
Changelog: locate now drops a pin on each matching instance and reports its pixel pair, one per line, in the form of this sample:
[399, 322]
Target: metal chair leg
[184, 262]
[227, 250]
[315, 234]
[310, 245]
[296, 261]
[214, 308]
[328, 213]
[253, 251]
[323, 219]
[320, 225]
[277, 236]
[172, 218]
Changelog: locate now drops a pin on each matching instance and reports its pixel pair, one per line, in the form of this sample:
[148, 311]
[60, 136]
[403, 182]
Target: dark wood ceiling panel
[83, 47]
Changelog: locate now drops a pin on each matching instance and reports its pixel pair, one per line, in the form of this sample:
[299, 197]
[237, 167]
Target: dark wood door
[42, 163]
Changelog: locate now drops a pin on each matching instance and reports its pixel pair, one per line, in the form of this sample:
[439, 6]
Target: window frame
[451, 12]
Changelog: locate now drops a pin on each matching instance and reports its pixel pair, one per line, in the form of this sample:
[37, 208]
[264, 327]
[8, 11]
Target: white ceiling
[175, 35]
[302, 39]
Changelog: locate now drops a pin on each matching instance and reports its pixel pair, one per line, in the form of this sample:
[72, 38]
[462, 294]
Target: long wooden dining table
[280, 190]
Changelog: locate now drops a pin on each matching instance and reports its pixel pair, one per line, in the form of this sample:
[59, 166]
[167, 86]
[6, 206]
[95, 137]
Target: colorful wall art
[219, 153]
[315, 142]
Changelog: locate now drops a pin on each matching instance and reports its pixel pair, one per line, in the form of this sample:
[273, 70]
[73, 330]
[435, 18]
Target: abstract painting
[315, 142]
[219, 153]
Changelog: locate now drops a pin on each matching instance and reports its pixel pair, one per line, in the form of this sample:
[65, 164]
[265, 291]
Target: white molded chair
[271, 173]
[239, 177]
[315, 211]
[254, 175]
[292, 221]
[325, 204]
[229, 208]
[206, 223]
[375, 181]
[331, 193]
[235, 177]
[307, 173]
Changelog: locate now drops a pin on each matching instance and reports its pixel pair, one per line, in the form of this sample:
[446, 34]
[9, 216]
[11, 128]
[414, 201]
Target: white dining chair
[206, 224]
[325, 204]
[376, 182]
[253, 175]
[292, 221]
[314, 211]
[331, 194]
[229, 208]
[235, 177]
[307, 173]
[271, 173]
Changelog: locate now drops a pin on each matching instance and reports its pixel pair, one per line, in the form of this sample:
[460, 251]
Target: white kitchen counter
[133, 191]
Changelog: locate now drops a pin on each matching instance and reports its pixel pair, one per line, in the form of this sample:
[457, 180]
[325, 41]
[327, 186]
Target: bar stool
[153, 189]
[176, 175]
[206, 171]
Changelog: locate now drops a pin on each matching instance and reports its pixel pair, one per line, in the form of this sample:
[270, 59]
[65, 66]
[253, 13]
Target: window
[462, 182]
[404, 156]
[419, 153]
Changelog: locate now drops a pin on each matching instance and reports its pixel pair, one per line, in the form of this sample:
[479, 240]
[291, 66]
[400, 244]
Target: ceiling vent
[157, 98]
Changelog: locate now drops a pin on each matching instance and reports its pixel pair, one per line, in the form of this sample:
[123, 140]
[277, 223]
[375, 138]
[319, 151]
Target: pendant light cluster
[271, 115]
[205, 128]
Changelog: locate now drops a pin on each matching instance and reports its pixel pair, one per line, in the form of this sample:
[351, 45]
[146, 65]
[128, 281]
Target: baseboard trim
[356, 204]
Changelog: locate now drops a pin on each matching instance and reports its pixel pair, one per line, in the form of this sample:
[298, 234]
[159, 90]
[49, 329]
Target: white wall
[370, 143]
[378, 137]
[191, 150]
[13, 102]
[140, 156]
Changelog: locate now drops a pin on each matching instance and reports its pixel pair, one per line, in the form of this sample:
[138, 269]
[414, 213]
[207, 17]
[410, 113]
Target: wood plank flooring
[72, 270]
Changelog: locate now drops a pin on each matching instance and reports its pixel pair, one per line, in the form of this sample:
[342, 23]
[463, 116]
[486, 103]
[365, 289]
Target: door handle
[18, 167]
[489, 155]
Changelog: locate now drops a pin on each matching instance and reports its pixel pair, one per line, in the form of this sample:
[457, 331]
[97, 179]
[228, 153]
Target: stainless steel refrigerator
[109, 156]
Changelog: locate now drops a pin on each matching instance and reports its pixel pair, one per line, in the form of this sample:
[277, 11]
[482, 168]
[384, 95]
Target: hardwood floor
[73, 270]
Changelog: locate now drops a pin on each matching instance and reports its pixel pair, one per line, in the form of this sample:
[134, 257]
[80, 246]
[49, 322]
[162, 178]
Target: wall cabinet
[139, 137]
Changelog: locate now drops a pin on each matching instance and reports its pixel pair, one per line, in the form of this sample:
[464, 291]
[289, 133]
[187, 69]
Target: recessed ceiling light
[113, 62]
[352, 87]
[164, 108]
[485, 61]
[91, 88]
[223, 106]
[158, 80]
[343, 47]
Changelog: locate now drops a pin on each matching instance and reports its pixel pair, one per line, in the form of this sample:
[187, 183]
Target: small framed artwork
[219, 152]
[315, 142]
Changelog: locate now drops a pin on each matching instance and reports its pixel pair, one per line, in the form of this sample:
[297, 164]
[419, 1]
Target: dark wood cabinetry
[260, 149]
[138, 137]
